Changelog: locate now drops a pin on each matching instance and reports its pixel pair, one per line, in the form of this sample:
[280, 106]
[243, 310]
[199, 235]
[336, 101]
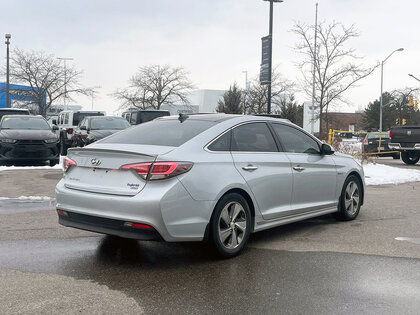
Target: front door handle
[298, 168]
[249, 168]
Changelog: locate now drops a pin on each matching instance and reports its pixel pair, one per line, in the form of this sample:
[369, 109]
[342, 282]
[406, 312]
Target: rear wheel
[231, 225]
[350, 200]
[411, 157]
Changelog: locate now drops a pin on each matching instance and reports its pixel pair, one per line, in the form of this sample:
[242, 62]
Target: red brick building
[342, 121]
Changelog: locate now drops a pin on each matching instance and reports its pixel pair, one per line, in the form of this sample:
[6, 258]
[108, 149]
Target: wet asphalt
[319, 266]
[187, 279]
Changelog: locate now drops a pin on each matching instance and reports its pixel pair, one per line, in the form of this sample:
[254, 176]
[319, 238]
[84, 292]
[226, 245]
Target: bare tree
[336, 67]
[46, 77]
[256, 96]
[155, 85]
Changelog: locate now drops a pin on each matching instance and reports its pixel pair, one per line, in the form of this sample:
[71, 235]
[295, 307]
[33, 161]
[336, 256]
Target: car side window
[295, 141]
[222, 143]
[66, 118]
[133, 119]
[253, 137]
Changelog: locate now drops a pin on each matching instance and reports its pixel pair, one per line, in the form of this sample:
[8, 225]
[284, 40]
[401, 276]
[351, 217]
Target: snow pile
[379, 174]
[11, 168]
[32, 198]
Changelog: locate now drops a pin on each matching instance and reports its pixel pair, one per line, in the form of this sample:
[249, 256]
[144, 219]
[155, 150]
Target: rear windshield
[25, 123]
[78, 117]
[108, 123]
[13, 112]
[171, 132]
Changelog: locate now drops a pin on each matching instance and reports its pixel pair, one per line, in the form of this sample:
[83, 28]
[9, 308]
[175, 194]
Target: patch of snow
[15, 168]
[35, 198]
[379, 174]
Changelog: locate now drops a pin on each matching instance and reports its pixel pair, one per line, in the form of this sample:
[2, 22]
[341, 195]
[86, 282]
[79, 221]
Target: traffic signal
[416, 105]
[404, 121]
[410, 100]
[397, 121]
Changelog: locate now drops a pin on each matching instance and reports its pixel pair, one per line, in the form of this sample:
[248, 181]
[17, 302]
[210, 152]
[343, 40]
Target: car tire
[410, 158]
[230, 225]
[350, 199]
[54, 162]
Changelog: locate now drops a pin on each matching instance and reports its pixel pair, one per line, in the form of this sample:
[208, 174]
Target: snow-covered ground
[379, 174]
[11, 168]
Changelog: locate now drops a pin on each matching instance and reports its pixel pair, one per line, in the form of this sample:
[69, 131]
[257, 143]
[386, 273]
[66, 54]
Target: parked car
[13, 111]
[205, 177]
[406, 139]
[27, 138]
[371, 145]
[67, 121]
[95, 128]
[135, 117]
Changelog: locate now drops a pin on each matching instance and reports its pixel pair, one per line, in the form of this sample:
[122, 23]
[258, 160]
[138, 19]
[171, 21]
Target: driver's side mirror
[327, 149]
[82, 127]
[55, 128]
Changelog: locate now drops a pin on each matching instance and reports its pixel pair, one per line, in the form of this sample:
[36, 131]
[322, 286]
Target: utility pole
[270, 54]
[246, 89]
[65, 79]
[92, 90]
[314, 70]
[8, 36]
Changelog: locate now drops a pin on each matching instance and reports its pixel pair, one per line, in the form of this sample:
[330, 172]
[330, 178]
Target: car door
[267, 171]
[314, 174]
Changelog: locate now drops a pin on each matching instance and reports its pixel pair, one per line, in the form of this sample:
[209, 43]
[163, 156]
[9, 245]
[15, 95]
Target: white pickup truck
[68, 120]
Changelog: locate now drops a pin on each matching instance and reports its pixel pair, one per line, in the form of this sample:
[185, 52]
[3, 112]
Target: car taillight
[365, 142]
[67, 163]
[390, 134]
[159, 170]
[70, 131]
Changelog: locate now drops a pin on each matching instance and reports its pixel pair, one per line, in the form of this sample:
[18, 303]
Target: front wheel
[411, 157]
[231, 225]
[350, 200]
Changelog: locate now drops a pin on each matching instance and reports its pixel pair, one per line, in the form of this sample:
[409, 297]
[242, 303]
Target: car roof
[15, 109]
[22, 116]
[104, 117]
[219, 117]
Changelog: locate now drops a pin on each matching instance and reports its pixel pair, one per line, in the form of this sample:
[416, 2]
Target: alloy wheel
[352, 198]
[232, 225]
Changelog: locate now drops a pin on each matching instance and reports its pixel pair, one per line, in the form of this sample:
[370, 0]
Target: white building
[205, 99]
[307, 117]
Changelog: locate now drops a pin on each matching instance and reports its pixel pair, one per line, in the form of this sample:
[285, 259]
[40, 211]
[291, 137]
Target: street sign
[265, 60]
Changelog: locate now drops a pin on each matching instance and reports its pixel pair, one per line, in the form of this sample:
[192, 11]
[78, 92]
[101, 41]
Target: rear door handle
[249, 168]
[298, 168]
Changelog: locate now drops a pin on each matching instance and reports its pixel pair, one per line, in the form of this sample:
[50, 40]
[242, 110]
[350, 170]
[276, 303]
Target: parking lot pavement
[370, 265]
[396, 163]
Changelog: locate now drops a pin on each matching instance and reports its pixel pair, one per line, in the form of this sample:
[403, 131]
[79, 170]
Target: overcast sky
[215, 40]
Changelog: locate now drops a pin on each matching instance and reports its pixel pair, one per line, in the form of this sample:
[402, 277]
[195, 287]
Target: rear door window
[222, 143]
[253, 137]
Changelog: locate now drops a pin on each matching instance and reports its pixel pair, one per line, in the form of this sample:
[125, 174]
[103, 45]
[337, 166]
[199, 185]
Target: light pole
[382, 85]
[65, 79]
[92, 91]
[414, 77]
[270, 64]
[8, 36]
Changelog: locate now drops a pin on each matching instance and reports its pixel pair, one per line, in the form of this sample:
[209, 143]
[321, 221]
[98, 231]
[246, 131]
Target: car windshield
[165, 132]
[108, 123]
[35, 123]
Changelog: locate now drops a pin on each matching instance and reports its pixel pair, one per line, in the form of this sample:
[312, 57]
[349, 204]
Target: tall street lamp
[382, 84]
[270, 63]
[65, 79]
[414, 77]
[8, 36]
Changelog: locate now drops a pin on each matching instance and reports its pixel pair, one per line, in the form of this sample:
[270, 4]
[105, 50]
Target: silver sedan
[206, 177]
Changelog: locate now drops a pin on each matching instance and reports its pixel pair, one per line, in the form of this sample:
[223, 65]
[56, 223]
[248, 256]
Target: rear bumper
[33, 152]
[398, 147]
[164, 205]
[107, 226]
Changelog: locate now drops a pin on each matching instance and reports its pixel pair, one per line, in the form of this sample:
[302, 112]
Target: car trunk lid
[98, 168]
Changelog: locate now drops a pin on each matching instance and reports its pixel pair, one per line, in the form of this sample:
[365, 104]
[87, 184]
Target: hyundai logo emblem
[95, 162]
